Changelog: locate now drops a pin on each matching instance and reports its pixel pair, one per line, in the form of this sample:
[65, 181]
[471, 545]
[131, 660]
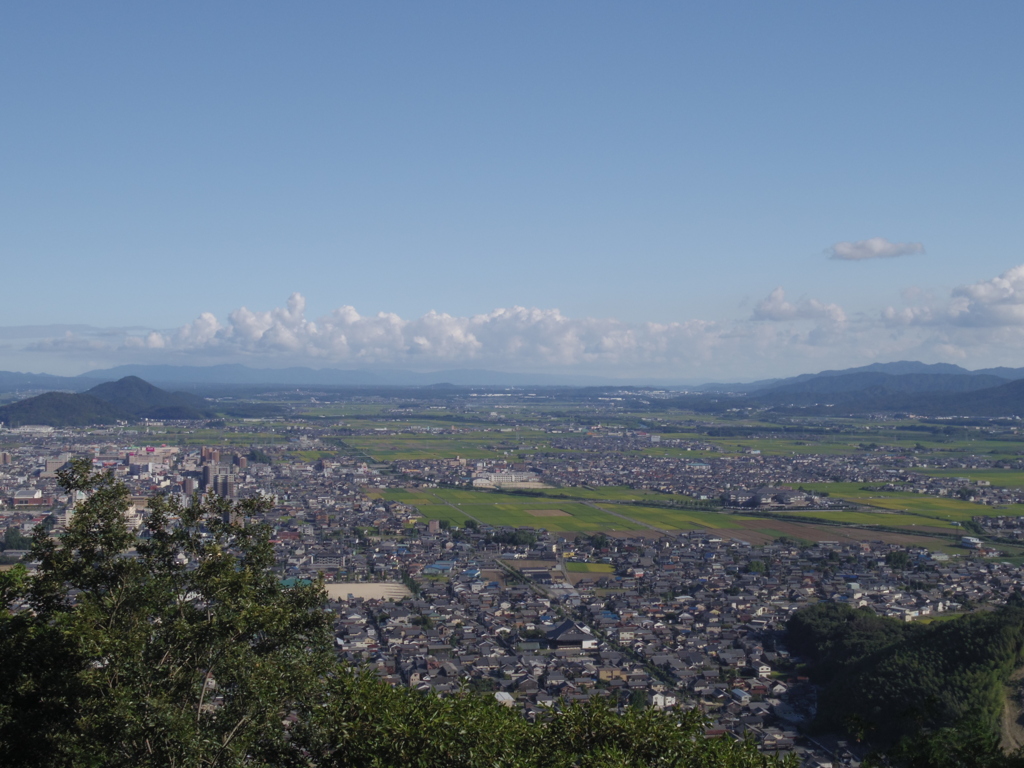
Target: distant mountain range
[15, 382]
[884, 371]
[1007, 399]
[335, 377]
[128, 399]
[930, 390]
[237, 375]
[937, 389]
[192, 377]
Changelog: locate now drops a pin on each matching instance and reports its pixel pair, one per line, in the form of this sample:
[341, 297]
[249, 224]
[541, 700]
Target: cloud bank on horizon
[980, 323]
[872, 248]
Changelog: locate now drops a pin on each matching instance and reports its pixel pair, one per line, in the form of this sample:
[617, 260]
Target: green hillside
[61, 409]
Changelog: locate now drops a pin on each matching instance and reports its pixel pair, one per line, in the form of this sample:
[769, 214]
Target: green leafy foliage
[516, 538]
[367, 726]
[898, 559]
[259, 456]
[127, 399]
[143, 661]
[888, 681]
[835, 637]
[970, 744]
[15, 539]
[60, 409]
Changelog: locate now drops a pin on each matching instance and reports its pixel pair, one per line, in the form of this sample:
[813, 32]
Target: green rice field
[589, 568]
[681, 520]
[612, 493]
[498, 509]
[912, 523]
[941, 509]
[504, 509]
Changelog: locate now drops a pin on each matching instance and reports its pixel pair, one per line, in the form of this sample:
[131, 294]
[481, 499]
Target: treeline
[895, 683]
[259, 456]
[14, 539]
[516, 538]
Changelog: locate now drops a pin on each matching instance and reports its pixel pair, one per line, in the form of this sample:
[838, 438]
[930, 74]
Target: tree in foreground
[182, 648]
[184, 652]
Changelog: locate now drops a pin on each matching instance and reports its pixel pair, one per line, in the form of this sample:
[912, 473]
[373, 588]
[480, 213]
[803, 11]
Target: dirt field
[520, 564]
[384, 590]
[909, 539]
[641, 534]
[547, 513]
[576, 578]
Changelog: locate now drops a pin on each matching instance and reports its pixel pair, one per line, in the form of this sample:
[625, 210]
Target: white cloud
[979, 324]
[775, 307]
[515, 335]
[514, 338]
[872, 248]
[994, 303]
[908, 316]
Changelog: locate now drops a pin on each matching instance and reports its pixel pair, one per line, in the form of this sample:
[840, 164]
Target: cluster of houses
[691, 621]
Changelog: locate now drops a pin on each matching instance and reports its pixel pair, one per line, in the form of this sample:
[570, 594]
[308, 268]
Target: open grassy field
[943, 509]
[918, 503]
[530, 435]
[888, 519]
[679, 520]
[589, 568]
[312, 456]
[506, 509]
[429, 506]
[490, 508]
[940, 509]
[1002, 478]
[612, 493]
[501, 509]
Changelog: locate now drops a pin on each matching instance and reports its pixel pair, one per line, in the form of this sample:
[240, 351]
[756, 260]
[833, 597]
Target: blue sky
[612, 188]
